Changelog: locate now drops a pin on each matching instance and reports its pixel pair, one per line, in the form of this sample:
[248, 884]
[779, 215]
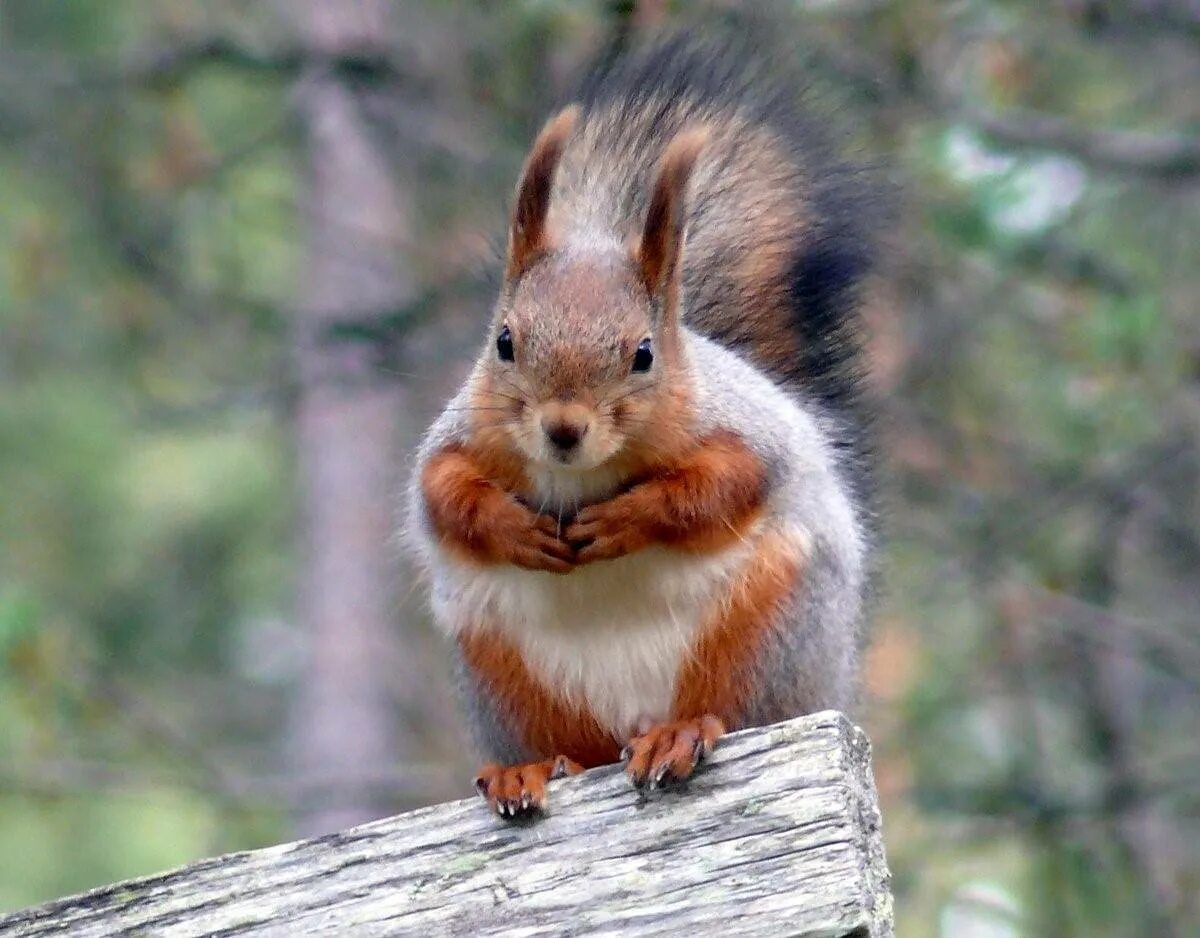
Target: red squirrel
[646, 518]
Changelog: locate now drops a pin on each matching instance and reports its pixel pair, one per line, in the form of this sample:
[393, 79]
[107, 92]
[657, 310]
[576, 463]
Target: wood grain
[778, 835]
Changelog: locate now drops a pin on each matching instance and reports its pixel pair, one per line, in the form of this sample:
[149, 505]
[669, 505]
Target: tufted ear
[527, 237]
[662, 237]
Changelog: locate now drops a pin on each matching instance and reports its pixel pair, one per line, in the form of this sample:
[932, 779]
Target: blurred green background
[243, 258]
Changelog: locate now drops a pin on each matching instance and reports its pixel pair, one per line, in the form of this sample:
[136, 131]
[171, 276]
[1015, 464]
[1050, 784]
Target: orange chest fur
[715, 672]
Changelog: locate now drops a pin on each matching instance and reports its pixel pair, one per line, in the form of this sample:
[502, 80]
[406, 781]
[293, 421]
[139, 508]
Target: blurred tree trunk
[357, 223]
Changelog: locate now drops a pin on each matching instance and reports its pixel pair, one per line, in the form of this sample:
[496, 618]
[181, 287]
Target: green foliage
[101, 838]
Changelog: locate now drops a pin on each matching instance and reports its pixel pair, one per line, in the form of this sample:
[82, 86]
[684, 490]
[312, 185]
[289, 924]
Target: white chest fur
[611, 636]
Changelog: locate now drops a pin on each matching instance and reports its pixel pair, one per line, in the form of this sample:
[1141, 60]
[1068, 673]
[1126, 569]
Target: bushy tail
[779, 228]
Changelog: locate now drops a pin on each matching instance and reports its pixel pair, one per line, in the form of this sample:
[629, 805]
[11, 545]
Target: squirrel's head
[583, 363]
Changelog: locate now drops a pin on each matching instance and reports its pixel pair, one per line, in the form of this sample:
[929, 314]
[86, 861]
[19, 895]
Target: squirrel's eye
[643, 358]
[504, 345]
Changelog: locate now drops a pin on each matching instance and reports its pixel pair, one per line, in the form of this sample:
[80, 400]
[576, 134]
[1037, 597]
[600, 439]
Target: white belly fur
[611, 635]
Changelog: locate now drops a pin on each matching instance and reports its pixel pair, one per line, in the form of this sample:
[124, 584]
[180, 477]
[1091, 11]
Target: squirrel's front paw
[607, 530]
[518, 792]
[538, 547]
[529, 540]
[670, 752]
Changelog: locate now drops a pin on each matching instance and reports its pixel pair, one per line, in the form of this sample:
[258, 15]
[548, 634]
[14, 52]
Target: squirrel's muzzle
[564, 436]
[565, 426]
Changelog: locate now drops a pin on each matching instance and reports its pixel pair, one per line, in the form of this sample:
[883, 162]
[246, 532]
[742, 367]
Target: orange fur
[672, 438]
[517, 791]
[480, 520]
[669, 752]
[701, 504]
[718, 678]
[544, 722]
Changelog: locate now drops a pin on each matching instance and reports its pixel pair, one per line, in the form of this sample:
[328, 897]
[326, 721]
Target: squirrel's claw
[669, 753]
[518, 792]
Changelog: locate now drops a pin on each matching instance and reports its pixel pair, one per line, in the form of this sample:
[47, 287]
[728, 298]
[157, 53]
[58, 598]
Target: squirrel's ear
[661, 242]
[527, 236]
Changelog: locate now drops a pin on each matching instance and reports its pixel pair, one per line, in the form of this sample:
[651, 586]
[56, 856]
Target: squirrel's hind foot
[669, 752]
[518, 792]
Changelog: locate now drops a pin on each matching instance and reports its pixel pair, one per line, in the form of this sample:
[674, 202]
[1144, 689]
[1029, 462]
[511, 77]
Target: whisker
[494, 424]
[608, 402]
[501, 394]
[502, 418]
[735, 532]
[509, 383]
[631, 423]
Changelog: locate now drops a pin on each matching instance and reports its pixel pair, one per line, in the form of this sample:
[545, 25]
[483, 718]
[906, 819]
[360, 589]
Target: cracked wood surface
[778, 835]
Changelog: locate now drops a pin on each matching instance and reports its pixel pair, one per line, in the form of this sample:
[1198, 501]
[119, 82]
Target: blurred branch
[218, 780]
[843, 7]
[1168, 156]
[1161, 17]
[1148, 462]
[166, 68]
[82, 778]
[1053, 256]
[1037, 803]
[1085, 621]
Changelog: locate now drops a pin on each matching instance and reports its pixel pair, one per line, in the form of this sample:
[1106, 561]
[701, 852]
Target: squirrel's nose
[565, 436]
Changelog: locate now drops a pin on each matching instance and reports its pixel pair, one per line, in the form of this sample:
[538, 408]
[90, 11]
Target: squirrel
[647, 518]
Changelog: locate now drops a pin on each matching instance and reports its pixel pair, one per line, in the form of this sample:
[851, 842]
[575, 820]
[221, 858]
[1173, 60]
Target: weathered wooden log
[778, 835]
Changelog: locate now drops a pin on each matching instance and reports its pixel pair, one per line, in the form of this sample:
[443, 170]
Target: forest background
[243, 259]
